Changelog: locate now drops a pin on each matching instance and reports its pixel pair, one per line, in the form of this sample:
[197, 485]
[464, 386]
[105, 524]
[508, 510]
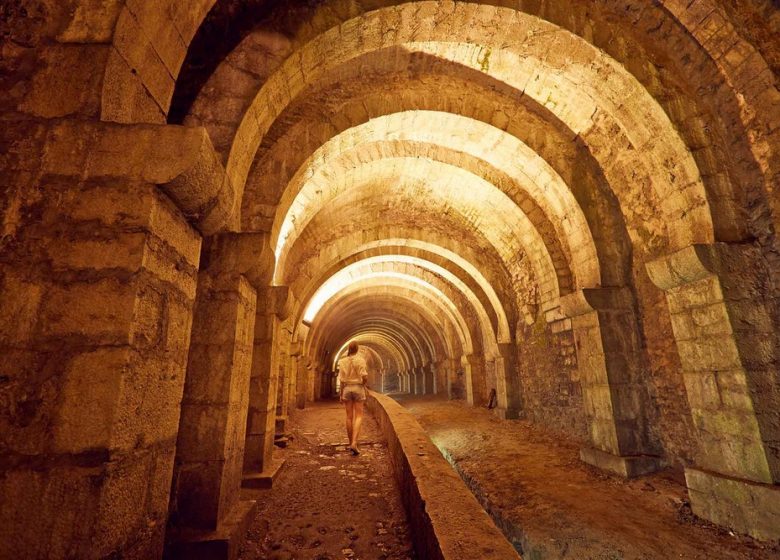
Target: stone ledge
[745, 506]
[266, 478]
[446, 520]
[625, 466]
[222, 544]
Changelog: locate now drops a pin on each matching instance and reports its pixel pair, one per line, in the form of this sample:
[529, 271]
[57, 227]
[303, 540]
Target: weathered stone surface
[745, 506]
[574, 204]
[423, 473]
[210, 444]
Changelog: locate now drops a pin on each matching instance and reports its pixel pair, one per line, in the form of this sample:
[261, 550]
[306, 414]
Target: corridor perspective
[549, 226]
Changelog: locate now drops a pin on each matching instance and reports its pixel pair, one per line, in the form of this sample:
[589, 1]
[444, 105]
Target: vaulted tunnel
[565, 211]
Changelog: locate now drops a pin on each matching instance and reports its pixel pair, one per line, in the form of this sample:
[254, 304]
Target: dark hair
[353, 348]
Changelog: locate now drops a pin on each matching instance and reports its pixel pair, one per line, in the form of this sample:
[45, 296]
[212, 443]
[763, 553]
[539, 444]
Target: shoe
[354, 451]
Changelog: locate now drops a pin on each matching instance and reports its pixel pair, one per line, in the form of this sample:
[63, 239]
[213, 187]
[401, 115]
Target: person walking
[353, 380]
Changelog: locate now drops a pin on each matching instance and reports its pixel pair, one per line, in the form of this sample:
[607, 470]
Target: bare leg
[349, 406]
[356, 423]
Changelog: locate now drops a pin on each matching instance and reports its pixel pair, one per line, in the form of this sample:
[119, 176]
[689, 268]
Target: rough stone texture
[309, 515]
[210, 445]
[440, 193]
[747, 507]
[549, 376]
[99, 277]
[550, 504]
[446, 521]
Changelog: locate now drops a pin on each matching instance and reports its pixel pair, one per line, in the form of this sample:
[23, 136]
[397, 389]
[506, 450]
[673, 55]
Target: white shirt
[352, 370]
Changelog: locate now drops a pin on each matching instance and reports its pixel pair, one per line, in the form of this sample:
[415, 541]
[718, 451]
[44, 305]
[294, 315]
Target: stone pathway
[326, 504]
[554, 506]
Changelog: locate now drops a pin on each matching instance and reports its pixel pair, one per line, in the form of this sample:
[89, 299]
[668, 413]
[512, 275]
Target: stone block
[156, 24]
[739, 457]
[624, 466]
[74, 72]
[205, 358]
[60, 503]
[168, 268]
[602, 435]
[627, 401]
[223, 543]
[100, 311]
[703, 390]
[258, 449]
[744, 506]
[159, 486]
[20, 301]
[132, 45]
[709, 354]
[123, 507]
[93, 382]
[705, 292]
[197, 493]
[92, 21]
[265, 477]
[178, 328]
[707, 320]
[203, 438]
[124, 251]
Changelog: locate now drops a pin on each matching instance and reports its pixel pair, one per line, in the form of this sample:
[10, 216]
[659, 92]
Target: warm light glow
[346, 277]
[361, 269]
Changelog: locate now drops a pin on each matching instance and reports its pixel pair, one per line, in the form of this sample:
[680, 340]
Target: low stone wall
[446, 520]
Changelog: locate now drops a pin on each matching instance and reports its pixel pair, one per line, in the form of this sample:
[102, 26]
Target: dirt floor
[551, 505]
[327, 504]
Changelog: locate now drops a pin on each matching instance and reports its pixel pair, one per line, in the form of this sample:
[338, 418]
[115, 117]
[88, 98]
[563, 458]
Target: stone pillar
[452, 373]
[474, 368]
[419, 377]
[311, 374]
[206, 485]
[300, 373]
[508, 388]
[606, 335]
[283, 394]
[439, 377]
[406, 380]
[98, 272]
[435, 377]
[726, 339]
[263, 387]
[428, 379]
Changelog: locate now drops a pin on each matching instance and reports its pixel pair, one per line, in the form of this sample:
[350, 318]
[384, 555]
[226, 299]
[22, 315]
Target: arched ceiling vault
[432, 194]
[598, 100]
[398, 266]
[425, 296]
[380, 344]
[413, 331]
[423, 332]
[535, 153]
[317, 186]
[475, 288]
[526, 131]
[341, 248]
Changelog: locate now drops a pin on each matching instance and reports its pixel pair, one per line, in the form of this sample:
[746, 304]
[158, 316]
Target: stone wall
[97, 286]
[549, 377]
[447, 522]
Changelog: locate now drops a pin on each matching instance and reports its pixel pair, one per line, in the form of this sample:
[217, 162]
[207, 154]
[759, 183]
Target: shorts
[353, 392]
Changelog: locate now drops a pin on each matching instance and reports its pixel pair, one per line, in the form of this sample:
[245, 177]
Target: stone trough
[447, 521]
